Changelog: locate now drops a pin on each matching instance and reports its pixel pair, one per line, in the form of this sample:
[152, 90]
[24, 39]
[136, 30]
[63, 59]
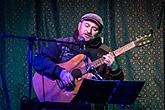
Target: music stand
[95, 91]
[108, 91]
[126, 92]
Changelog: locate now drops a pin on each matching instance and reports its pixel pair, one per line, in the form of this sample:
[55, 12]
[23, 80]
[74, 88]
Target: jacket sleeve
[115, 71]
[111, 73]
[45, 62]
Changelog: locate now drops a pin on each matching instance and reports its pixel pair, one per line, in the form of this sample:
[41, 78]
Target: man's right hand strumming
[66, 78]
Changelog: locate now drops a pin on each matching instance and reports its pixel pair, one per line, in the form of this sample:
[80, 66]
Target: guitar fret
[94, 64]
[98, 62]
[124, 49]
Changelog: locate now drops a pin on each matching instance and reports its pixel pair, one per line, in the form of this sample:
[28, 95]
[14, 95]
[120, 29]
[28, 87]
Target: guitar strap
[105, 48]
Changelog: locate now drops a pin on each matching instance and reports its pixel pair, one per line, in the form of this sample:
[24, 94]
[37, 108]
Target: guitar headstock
[143, 40]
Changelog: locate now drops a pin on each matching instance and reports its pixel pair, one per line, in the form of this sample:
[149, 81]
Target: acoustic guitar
[50, 90]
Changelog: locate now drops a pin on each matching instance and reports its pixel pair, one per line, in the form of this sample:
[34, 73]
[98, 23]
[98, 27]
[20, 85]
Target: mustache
[89, 35]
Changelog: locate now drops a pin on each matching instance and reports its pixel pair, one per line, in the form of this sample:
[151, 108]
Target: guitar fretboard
[123, 49]
[100, 61]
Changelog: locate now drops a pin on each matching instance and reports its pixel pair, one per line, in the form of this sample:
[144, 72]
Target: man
[46, 62]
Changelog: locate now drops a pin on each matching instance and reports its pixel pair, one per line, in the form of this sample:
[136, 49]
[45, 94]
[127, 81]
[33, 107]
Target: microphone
[82, 43]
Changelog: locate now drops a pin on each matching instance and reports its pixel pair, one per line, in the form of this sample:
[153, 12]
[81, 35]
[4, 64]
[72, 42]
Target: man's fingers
[109, 58]
[67, 79]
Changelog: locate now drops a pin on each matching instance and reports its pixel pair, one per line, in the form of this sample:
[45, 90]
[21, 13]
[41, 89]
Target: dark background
[124, 20]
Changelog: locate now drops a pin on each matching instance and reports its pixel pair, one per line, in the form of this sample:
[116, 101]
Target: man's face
[88, 29]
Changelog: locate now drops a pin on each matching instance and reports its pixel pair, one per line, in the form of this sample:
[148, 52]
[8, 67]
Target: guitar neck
[123, 49]
[117, 52]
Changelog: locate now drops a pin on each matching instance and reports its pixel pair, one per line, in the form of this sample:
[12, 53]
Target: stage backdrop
[124, 20]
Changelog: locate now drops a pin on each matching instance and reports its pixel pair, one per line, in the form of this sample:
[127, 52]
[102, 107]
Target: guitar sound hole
[76, 73]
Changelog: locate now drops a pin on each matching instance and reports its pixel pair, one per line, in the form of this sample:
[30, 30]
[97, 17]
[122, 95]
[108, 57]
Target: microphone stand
[30, 62]
[31, 39]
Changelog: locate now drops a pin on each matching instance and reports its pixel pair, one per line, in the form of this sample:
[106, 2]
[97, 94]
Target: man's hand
[66, 78]
[109, 58]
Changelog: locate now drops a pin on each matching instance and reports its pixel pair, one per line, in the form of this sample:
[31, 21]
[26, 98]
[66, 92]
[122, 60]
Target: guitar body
[52, 91]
